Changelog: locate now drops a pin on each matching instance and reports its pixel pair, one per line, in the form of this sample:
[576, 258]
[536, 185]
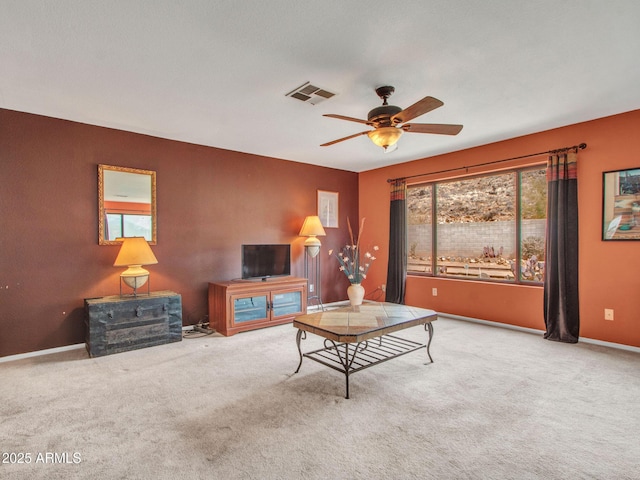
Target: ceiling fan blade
[342, 117]
[419, 108]
[345, 138]
[438, 128]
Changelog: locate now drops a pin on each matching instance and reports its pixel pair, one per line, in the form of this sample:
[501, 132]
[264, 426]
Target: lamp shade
[312, 227]
[134, 251]
[385, 136]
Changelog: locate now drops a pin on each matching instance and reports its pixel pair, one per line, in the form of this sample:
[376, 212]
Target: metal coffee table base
[350, 358]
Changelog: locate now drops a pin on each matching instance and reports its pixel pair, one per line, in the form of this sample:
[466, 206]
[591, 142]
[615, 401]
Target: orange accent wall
[609, 272]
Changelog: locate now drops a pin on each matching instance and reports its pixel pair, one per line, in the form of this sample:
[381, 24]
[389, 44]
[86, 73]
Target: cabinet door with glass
[250, 308]
[240, 306]
[286, 303]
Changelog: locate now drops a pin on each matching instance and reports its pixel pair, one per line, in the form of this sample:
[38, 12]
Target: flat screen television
[264, 261]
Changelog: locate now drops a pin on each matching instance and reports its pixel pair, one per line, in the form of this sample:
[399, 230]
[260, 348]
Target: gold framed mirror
[126, 204]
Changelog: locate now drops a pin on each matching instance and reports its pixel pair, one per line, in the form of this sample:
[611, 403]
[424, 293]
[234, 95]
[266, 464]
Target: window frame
[433, 184]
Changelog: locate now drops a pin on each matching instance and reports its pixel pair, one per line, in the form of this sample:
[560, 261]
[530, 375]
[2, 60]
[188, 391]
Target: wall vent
[310, 93]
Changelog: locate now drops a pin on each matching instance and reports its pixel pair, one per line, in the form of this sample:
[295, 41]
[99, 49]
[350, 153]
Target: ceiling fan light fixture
[389, 121]
[385, 136]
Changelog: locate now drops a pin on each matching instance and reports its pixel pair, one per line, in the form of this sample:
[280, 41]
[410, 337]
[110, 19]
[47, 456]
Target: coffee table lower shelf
[350, 358]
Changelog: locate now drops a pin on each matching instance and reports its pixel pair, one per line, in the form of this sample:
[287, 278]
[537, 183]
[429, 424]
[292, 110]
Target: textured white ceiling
[215, 72]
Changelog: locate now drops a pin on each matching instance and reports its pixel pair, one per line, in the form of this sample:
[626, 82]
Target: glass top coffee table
[359, 337]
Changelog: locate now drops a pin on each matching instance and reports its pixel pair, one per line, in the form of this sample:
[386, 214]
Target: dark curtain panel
[561, 308]
[397, 269]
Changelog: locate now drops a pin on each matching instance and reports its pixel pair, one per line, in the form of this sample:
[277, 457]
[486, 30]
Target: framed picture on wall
[328, 208]
[621, 205]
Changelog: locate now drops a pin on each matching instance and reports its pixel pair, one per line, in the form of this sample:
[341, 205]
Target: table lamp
[134, 252]
[312, 228]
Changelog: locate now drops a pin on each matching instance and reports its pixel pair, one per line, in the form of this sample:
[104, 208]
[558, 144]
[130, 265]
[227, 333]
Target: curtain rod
[581, 146]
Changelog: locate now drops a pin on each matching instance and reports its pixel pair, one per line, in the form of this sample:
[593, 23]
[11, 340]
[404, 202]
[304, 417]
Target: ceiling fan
[389, 121]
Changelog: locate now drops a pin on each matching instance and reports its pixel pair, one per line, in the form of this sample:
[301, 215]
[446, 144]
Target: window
[489, 227]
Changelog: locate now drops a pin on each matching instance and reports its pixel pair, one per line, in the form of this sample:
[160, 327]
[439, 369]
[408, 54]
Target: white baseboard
[593, 341]
[66, 348]
[38, 353]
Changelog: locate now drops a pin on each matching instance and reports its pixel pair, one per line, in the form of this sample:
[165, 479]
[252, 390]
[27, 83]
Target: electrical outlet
[608, 314]
[383, 287]
[434, 292]
[311, 287]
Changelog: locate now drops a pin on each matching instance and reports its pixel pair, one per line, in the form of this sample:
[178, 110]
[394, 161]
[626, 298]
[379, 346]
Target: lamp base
[135, 282]
[312, 273]
[312, 244]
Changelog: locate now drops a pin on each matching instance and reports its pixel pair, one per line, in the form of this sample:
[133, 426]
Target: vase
[355, 292]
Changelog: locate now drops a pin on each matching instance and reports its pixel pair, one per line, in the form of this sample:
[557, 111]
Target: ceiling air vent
[310, 94]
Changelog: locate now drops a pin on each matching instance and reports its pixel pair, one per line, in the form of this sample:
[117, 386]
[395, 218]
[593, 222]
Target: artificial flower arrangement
[354, 267]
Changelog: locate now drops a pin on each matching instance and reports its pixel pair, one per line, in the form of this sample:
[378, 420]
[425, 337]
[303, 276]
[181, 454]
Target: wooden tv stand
[238, 306]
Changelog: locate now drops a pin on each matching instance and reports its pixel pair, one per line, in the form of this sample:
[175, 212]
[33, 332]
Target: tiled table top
[369, 320]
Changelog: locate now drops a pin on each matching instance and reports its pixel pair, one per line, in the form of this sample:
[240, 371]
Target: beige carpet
[496, 404]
